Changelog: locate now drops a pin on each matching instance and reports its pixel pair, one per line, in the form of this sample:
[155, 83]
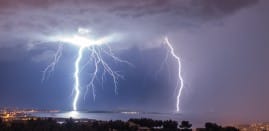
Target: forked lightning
[97, 49]
[180, 78]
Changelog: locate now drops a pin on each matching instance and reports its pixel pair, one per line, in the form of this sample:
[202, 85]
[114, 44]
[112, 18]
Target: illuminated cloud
[33, 21]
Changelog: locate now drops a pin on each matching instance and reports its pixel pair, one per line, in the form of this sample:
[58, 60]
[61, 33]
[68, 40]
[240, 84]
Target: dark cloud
[138, 8]
[142, 7]
[213, 8]
[191, 8]
[32, 22]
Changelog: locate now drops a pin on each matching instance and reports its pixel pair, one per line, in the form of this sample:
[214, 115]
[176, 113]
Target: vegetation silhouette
[214, 127]
[50, 124]
[185, 126]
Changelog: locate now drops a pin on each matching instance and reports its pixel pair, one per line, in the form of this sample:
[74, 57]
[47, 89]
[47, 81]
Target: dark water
[121, 116]
[197, 120]
[109, 115]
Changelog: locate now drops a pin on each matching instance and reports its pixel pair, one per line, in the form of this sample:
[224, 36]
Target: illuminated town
[254, 127]
[11, 114]
[21, 115]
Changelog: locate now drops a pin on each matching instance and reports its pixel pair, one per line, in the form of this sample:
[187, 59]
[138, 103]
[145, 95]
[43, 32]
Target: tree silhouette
[170, 125]
[231, 129]
[50, 124]
[147, 122]
[1, 124]
[185, 126]
[212, 127]
[69, 124]
[118, 125]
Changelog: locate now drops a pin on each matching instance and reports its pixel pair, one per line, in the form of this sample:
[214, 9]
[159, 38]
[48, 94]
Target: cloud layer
[31, 22]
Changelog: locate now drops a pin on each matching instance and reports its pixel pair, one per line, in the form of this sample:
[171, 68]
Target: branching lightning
[180, 78]
[97, 50]
[76, 76]
[50, 68]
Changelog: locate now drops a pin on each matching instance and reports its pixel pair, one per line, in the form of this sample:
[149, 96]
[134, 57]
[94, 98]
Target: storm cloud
[31, 22]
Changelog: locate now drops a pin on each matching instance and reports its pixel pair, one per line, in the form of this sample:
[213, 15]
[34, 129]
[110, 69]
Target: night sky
[224, 46]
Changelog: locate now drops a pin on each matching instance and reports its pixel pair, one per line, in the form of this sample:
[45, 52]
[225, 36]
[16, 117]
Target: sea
[196, 121]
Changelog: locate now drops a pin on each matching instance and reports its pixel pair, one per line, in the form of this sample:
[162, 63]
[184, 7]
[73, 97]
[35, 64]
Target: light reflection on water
[196, 120]
[109, 116]
[105, 116]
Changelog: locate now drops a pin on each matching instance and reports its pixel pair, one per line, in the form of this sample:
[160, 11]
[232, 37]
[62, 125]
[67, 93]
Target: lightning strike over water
[76, 76]
[180, 78]
[97, 50]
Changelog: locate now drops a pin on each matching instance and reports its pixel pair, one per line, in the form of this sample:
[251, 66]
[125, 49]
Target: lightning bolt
[97, 50]
[180, 78]
[50, 68]
[76, 76]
